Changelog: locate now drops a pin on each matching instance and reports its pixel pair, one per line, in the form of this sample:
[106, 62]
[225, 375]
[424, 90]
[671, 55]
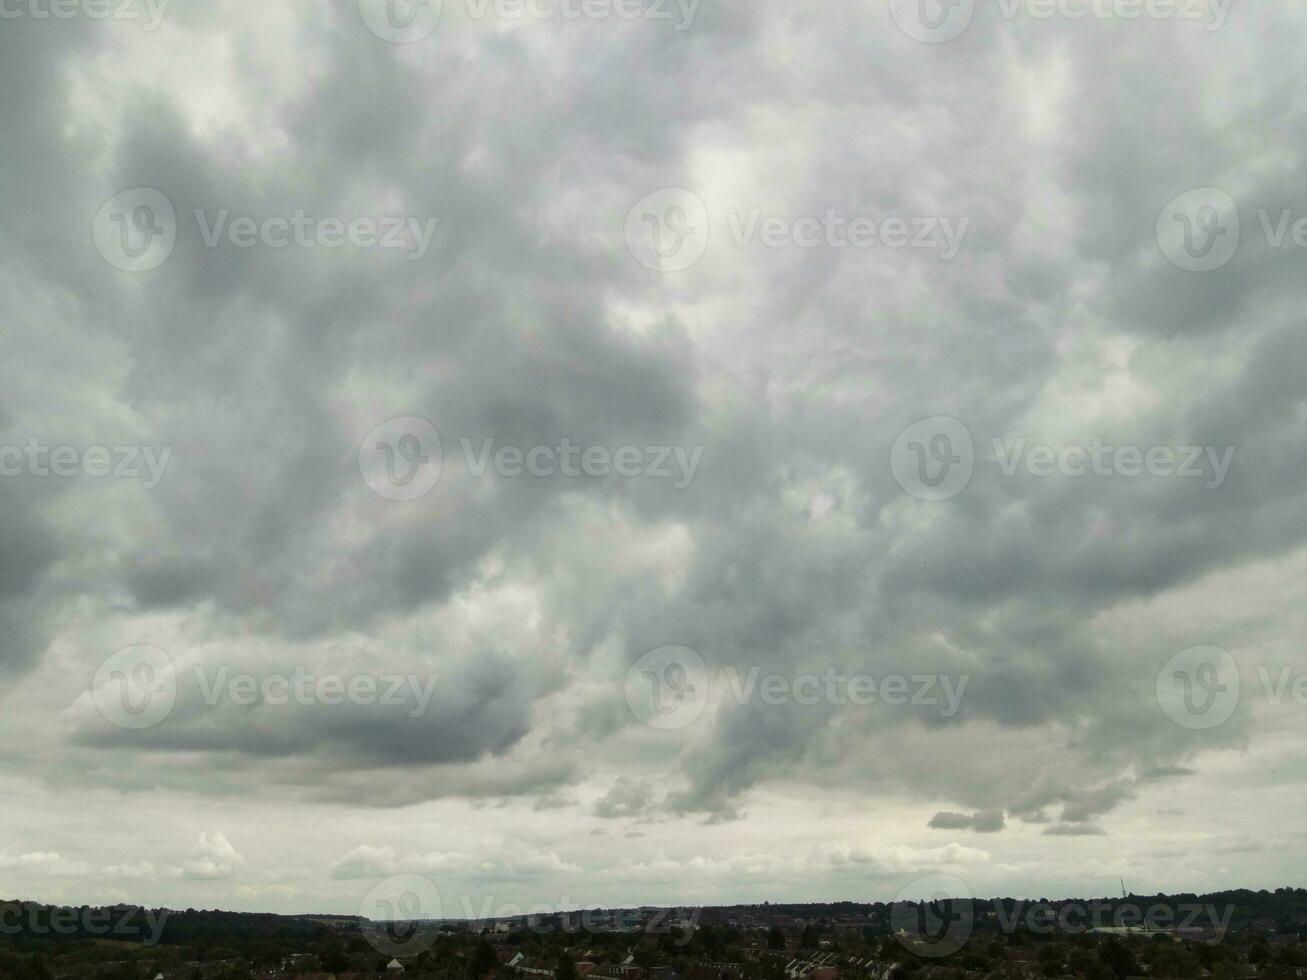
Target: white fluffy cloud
[213, 859]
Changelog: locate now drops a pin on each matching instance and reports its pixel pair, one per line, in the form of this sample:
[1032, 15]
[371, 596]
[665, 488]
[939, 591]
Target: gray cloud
[793, 551]
[985, 822]
[627, 798]
[1074, 830]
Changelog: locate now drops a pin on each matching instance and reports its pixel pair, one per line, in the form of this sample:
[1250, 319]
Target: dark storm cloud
[35, 175]
[472, 710]
[28, 549]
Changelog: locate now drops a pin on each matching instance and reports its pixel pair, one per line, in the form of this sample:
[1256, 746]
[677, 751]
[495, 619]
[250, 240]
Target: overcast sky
[650, 452]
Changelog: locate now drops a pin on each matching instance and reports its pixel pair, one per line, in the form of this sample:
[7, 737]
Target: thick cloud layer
[885, 680]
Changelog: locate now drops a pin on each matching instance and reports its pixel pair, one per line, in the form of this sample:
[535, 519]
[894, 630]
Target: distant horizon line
[642, 907]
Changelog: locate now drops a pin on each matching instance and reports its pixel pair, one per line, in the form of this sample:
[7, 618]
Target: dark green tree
[484, 960]
[1119, 958]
